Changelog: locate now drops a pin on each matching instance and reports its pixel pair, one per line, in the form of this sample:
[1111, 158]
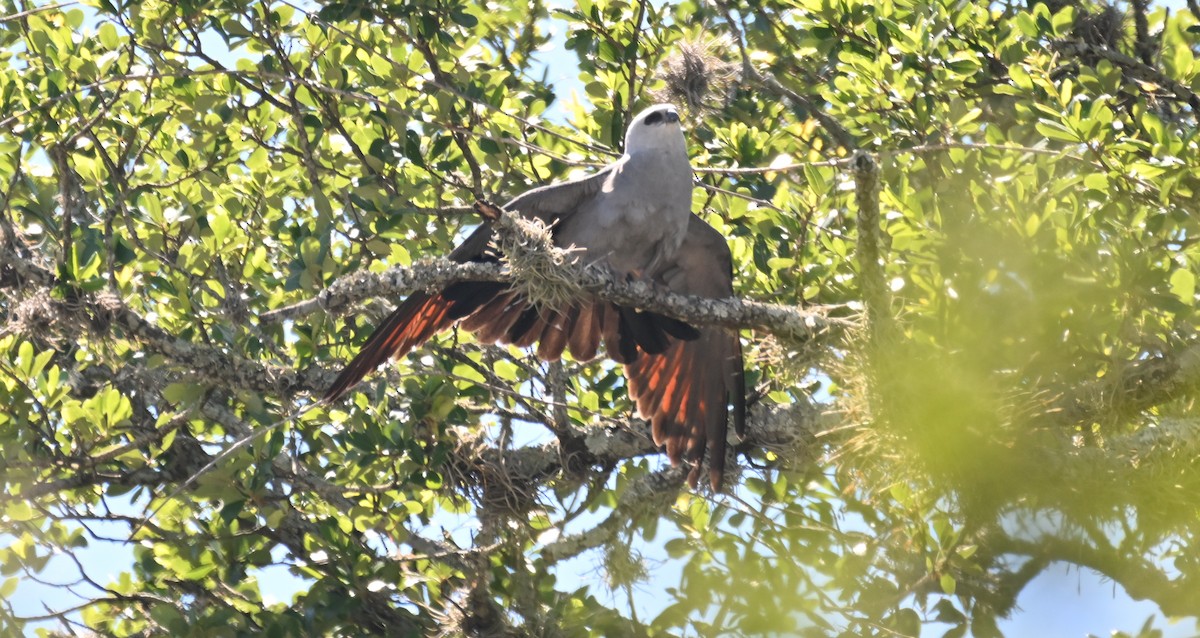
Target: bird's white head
[656, 129]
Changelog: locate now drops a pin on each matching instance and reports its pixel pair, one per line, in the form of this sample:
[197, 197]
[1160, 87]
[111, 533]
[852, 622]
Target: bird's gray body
[633, 214]
[638, 219]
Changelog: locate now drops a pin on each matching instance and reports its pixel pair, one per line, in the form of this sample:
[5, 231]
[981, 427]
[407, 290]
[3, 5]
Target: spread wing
[683, 379]
[686, 391]
[504, 315]
[551, 202]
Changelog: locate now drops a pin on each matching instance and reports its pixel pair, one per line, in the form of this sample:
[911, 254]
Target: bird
[634, 217]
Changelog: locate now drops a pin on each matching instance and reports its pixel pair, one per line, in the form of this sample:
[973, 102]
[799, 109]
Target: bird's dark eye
[654, 118]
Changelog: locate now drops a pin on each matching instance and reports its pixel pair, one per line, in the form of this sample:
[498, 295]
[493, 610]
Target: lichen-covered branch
[782, 321]
[1132, 388]
[870, 258]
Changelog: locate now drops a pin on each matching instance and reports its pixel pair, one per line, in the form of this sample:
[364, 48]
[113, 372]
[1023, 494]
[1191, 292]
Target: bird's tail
[685, 393]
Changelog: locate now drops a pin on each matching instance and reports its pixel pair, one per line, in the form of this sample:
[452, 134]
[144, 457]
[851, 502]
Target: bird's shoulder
[562, 198]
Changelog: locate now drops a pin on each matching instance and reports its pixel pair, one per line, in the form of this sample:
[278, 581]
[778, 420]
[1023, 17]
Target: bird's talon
[487, 210]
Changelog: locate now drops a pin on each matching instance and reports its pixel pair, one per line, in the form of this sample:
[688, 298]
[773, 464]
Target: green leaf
[463, 18]
[1181, 60]
[19, 511]
[469, 373]
[236, 29]
[1056, 131]
[183, 393]
[1031, 225]
[25, 359]
[506, 370]
[219, 224]
[596, 89]
[1183, 285]
[1027, 24]
[108, 36]
[258, 160]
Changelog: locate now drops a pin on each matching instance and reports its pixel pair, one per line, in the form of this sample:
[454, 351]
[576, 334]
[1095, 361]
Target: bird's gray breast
[639, 218]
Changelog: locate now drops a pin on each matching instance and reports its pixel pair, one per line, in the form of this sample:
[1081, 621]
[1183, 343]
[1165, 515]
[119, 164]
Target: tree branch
[870, 264]
[780, 320]
[1140, 578]
[1133, 67]
[831, 126]
[1133, 388]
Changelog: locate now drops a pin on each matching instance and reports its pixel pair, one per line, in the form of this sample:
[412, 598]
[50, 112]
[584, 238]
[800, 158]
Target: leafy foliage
[183, 182]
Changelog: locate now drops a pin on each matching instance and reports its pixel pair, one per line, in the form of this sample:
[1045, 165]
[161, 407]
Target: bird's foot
[657, 287]
[487, 210]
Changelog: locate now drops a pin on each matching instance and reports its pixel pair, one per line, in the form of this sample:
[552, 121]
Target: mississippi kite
[633, 216]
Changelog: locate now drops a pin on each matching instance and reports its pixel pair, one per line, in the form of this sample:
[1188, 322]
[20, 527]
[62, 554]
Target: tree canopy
[965, 252]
